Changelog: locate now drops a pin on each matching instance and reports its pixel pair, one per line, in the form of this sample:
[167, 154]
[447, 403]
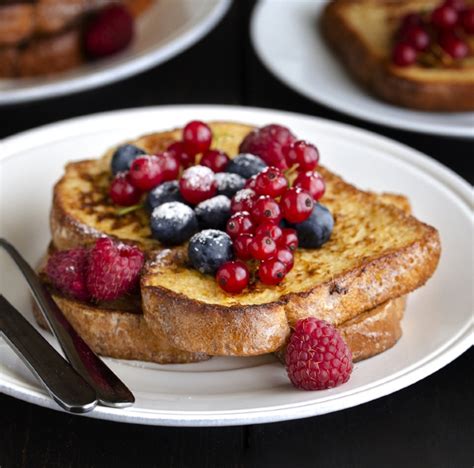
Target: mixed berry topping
[257, 207]
[440, 37]
[317, 357]
[104, 272]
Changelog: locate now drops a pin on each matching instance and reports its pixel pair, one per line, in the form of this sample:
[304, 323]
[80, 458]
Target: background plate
[165, 30]
[231, 391]
[303, 61]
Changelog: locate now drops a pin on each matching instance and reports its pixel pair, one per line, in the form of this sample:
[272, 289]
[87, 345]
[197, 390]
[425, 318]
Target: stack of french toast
[41, 37]
[357, 281]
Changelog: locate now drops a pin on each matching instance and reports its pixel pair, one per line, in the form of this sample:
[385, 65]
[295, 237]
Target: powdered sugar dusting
[173, 211]
[198, 176]
[221, 202]
[244, 194]
[218, 238]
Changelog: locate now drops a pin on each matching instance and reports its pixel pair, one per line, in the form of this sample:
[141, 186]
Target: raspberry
[317, 357]
[67, 271]
[270, 143]
[113, 269]
[110, 31]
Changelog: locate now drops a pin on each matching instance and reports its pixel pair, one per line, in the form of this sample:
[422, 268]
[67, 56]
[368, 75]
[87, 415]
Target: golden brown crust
[119, 334]
[371, 332]
[412, 87]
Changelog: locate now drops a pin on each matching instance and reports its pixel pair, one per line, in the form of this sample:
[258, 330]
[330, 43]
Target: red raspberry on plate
[109, 31]
[269, 143]
[113, 270]
[67, 271]
[317, 357]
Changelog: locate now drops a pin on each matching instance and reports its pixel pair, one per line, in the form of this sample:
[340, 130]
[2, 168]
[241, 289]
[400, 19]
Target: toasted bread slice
[124, 335]
[116, 328]
[361, 32]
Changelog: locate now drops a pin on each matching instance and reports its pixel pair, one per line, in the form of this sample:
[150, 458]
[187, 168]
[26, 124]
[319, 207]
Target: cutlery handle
[110, 390]
[62, 382]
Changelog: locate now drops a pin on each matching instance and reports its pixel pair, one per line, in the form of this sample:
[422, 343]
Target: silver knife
[62, 382]
[110, 390]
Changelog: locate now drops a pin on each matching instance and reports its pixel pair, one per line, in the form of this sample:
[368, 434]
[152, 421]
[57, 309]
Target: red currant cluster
[148, 171]
[257, 211]
[447, 26]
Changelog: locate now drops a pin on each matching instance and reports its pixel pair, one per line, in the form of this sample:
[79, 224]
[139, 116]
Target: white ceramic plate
[248, 390]
[165, 30]
[286, 37]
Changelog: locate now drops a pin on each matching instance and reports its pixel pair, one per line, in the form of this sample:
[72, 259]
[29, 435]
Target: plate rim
[16, 144]
[123, 69]
[379, 119]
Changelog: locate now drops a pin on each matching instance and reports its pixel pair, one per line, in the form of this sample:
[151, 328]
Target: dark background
[429, 424]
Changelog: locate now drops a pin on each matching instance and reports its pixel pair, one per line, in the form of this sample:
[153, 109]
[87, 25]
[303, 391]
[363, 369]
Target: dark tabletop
[429, 424]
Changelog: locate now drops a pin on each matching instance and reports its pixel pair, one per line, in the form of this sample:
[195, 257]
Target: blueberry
[317, 229]
[173, 223]
[209, 249]
[246, 165]
[213, 213]
[229, 184]
[123, 157]
[164, 193]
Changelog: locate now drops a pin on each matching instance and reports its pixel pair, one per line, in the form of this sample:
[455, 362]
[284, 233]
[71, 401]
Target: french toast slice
[117, 328]
[123, 334]
[376, 253]
[361, 32]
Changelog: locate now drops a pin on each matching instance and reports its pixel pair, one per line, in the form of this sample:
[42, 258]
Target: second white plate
[285, 35]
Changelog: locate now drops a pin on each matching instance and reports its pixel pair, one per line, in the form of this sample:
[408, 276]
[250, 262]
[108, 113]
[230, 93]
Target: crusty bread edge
[118, 334]
[383, 79]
